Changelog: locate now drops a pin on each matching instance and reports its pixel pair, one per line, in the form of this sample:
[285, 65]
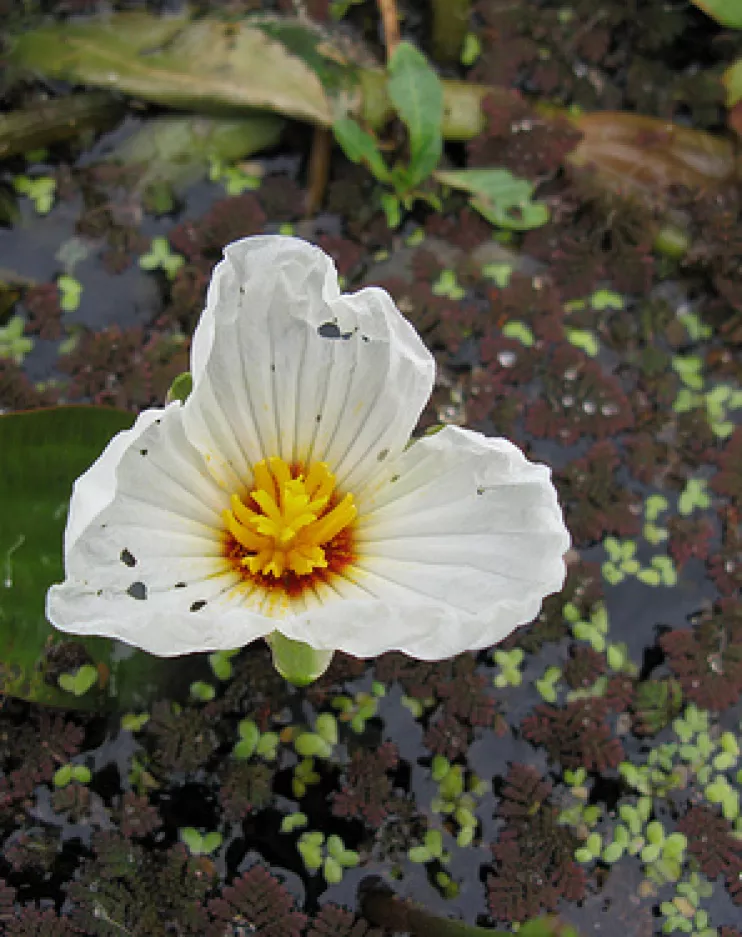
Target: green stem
[383, 908]
[450, 23]
[297, 662]
[60, 119]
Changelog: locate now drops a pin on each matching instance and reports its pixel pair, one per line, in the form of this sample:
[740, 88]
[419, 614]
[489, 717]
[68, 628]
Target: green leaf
[606, 299]
[519, 331]
[326, 726]
[267, 745]
[192, 839]
[502, 198]
[62, 776]
[196, 65]
[584, 340]
[219, 661]
[360, 146]
[80, 682]
[417, 95]
[293, 821]
[43, 452]
[70, 291]
[13, 343]
[309, 744]
[333, 871]
[726, 12]
[211, 842]
[134, 722]
[202, 691]
[419, 854]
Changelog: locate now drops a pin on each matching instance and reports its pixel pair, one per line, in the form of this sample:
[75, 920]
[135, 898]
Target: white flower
[284, 496]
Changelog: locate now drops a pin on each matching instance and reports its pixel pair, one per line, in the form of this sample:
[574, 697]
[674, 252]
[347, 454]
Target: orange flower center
[286, 526]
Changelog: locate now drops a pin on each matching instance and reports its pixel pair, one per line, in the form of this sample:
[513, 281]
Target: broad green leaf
[43, 452]
[726, 12]
[192, 64]
[417, 95]
[502, 198]
[360, 146]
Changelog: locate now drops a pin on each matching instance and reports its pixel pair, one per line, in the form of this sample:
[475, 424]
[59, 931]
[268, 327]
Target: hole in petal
[143, 451]
[128, 558]
[331, 330]
[198, 605]
[180, 585]
[137, 590]
[382, 455]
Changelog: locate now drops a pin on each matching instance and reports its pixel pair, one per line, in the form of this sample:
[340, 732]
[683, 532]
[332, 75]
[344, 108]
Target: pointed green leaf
[417, 95]
[503, 199]
[360, 146]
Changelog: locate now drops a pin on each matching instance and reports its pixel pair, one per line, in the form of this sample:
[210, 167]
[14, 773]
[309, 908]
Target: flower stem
[383, 908]
[297, 662]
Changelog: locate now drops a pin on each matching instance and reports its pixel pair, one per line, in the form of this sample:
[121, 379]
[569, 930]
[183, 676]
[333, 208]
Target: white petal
[144, 561]
[95, 489]
[458, 544]
[284, 365]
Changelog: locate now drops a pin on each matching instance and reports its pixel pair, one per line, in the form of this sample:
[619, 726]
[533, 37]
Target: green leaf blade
[417, 95]
[360, 146]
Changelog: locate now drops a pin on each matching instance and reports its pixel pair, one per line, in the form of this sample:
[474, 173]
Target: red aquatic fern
[333, 921]
[34, 922]
[690, 538]
[366, 790]
[184, 738]
[711, 840]
[226, 221]
[583, 667]
[534, 864]
[44, 312]
[596, 503]
[124, 887]
[725, 565]
[465, 228]
[258, 900]
[519, 139]
[187, 296]
[728, 480]
[281, 198]
[18, 393]
[73, 802]
[576, 736]
[707, 658]
[244, 788]
[137, 816]
[447, 735]
[347, 254]
[579, 399]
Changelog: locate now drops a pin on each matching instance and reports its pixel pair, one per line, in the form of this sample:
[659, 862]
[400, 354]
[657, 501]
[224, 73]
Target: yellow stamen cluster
[290, 523]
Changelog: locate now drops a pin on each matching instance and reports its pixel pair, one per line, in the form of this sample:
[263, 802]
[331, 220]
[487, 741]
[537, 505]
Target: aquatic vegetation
[590, 762]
